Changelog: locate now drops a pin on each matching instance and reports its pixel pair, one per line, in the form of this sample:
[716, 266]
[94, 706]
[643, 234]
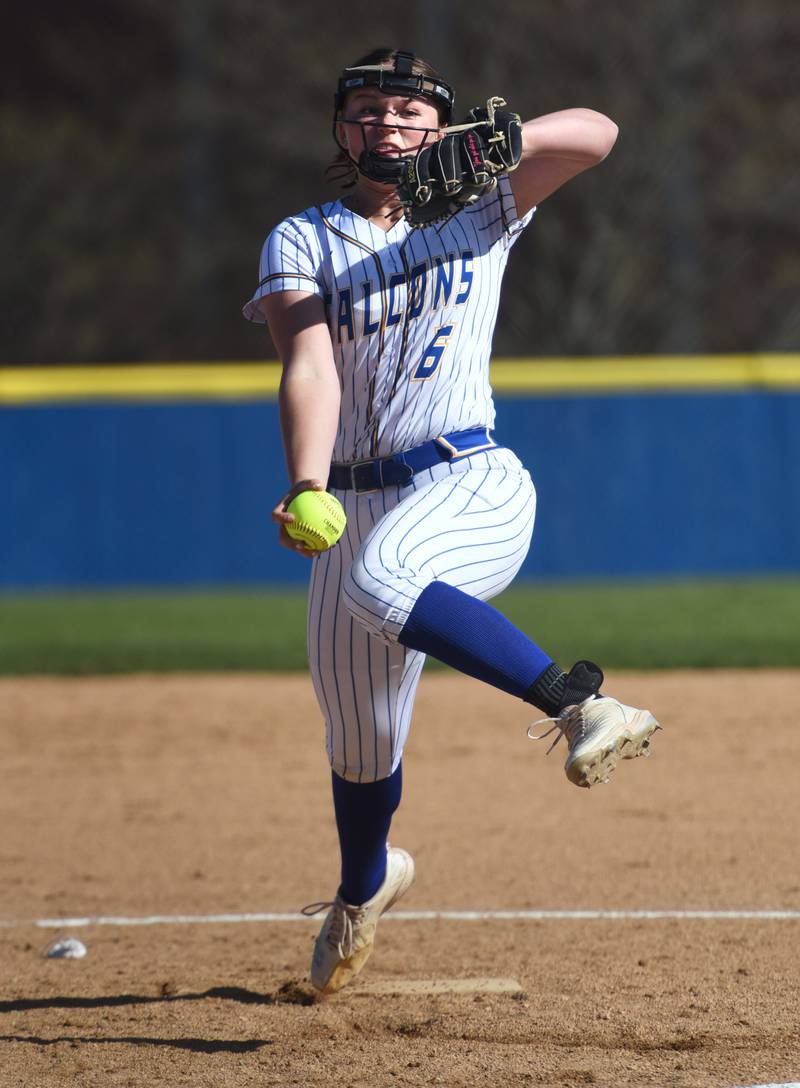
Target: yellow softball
[319, 520]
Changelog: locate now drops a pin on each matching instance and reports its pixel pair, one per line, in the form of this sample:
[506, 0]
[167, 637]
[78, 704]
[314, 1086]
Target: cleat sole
[594, 768]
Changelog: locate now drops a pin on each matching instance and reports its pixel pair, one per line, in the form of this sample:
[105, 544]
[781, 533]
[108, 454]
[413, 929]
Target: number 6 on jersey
[432, 356]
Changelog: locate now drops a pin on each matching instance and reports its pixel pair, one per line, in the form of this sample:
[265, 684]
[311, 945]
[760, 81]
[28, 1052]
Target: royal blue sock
[474, 638]
[364, 813]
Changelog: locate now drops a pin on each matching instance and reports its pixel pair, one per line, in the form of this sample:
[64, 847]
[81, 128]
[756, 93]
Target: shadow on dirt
[200, 1046]
[290, 993]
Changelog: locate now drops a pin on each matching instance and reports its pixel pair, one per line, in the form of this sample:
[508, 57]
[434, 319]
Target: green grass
[748, 623]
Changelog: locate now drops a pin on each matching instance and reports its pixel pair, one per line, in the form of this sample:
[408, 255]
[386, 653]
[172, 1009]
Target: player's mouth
[386, 149]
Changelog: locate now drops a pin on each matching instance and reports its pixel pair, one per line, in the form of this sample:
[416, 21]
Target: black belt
[399, 468]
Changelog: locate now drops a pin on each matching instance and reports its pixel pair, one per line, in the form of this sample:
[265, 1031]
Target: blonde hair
[342, 170]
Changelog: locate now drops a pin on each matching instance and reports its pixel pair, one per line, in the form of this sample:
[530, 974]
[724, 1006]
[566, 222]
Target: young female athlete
[385, 333]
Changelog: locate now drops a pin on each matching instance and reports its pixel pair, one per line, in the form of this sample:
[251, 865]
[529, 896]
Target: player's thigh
[486, 529]
[365, 687]
[469, 524]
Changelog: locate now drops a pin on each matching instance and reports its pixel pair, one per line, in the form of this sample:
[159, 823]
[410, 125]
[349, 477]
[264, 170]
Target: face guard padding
[400, 80]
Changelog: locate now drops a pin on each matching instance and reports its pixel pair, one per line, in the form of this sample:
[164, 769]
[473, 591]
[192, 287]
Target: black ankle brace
[555, 689]
[547, 691]
[584, 679]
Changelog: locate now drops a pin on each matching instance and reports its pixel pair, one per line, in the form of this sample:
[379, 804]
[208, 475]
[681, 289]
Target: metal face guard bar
[384, 168]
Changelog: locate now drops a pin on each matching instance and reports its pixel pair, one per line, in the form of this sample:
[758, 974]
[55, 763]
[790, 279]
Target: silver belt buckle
[361, 490]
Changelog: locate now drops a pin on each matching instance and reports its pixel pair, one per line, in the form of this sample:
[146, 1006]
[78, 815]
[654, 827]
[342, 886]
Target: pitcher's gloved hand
[461, 166]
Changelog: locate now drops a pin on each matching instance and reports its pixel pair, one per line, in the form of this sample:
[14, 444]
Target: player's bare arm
[309, 395]
[555, 148]
[463, 162]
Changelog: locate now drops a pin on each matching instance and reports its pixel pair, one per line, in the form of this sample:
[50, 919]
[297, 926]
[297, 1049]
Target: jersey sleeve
[287, 264]
[495, 215]
[514, 224]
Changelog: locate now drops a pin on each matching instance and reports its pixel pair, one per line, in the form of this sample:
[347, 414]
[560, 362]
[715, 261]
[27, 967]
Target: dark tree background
[148, 148]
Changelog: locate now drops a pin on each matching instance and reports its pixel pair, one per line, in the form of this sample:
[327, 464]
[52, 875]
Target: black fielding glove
[502, 131]
[461, 167]
[444, 178]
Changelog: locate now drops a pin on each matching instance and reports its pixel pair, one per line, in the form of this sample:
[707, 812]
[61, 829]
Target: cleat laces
[344, 918]
[570, 723]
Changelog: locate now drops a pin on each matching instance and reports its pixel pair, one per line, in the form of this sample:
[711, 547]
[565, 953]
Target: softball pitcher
[382, 306]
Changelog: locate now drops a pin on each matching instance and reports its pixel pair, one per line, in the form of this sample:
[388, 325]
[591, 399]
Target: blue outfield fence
[179, 493]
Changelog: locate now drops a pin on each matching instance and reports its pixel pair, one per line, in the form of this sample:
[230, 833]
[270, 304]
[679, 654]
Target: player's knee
[366, 600]
[375, 772]
[379, 597]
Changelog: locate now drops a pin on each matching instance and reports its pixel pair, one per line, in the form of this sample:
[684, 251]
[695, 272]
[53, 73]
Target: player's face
[391, 125]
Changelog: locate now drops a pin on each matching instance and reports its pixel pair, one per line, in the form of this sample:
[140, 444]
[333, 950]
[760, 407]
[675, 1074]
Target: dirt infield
[146, 796]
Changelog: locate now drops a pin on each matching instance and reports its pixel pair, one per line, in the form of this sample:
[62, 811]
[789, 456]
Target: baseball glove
[459, 168]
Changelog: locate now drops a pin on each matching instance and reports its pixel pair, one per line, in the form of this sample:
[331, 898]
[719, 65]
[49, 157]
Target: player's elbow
[592, 135]
[604, 136]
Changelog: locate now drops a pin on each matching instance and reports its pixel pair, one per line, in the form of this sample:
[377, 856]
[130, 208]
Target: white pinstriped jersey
[411, 315]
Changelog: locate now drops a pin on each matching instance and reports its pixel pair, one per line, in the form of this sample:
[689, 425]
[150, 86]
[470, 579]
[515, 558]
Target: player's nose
[387, 119]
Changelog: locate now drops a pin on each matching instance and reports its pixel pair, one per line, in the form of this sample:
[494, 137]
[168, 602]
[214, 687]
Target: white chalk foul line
[783, 1084]
[413, 916]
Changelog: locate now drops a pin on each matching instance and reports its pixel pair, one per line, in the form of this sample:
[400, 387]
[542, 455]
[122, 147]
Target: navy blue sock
[474, 638]
[364, 813]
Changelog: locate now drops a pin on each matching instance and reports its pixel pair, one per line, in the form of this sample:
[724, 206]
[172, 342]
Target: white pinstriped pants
[467, 523]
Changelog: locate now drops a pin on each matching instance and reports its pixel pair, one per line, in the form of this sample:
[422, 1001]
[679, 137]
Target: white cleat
[600, 732]
[348, 932]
